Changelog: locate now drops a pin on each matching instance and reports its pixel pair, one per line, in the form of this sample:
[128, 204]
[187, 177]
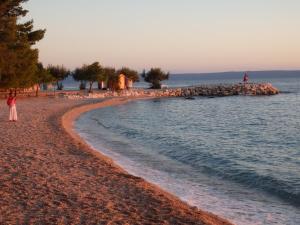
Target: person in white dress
[11, 102]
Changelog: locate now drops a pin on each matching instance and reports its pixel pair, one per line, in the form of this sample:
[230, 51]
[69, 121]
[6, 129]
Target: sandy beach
[48, 175]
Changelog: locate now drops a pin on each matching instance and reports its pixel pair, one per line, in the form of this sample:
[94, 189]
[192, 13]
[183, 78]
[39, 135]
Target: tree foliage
[59, 73]
[107, 76]
[130, 74]
[43, 76]
[96, 73]
[78, 75]
[155, 76]
[91, 73]
[18, 60]
[108, 72]
[113, 82]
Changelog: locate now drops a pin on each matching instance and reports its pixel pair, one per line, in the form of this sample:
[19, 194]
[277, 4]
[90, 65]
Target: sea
[237, 157]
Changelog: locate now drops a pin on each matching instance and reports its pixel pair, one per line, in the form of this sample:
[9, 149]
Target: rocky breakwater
[230, 89]
[202, 90]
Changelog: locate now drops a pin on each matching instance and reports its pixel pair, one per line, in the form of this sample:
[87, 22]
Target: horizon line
[238, 71]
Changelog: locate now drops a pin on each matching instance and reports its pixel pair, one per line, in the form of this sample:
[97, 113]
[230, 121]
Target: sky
[179, 36]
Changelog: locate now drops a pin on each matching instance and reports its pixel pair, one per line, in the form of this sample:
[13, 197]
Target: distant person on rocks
[246, 78]
[11, 102]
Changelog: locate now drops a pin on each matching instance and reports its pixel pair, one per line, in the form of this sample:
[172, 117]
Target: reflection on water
[237, 156]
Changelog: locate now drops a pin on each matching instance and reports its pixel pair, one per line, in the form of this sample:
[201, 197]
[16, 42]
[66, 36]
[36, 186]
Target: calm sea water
[238, 157]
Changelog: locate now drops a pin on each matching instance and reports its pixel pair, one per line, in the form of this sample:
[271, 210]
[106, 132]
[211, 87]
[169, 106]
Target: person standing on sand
[11, 102]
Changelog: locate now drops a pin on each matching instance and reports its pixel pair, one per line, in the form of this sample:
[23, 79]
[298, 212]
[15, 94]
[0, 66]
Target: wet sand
[48, 175]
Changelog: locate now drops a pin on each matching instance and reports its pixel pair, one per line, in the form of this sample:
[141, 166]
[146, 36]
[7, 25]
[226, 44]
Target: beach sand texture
[49, 176]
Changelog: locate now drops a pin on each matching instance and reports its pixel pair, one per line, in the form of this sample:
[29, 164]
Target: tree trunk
[90, 89]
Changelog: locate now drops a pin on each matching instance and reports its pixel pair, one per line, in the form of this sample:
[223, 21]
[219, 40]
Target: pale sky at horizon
[176, 35]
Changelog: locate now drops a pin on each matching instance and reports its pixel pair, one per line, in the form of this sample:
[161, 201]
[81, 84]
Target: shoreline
[70, 117]
[48, 175]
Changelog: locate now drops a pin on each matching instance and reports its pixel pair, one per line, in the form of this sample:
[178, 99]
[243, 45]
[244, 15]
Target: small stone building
[123, 83]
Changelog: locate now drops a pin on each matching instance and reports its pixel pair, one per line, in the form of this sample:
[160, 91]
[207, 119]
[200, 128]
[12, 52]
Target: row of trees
[51, 74]
[19, 66]
[96, 73]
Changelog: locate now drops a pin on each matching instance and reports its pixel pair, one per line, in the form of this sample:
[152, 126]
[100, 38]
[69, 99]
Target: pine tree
[18, 60]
